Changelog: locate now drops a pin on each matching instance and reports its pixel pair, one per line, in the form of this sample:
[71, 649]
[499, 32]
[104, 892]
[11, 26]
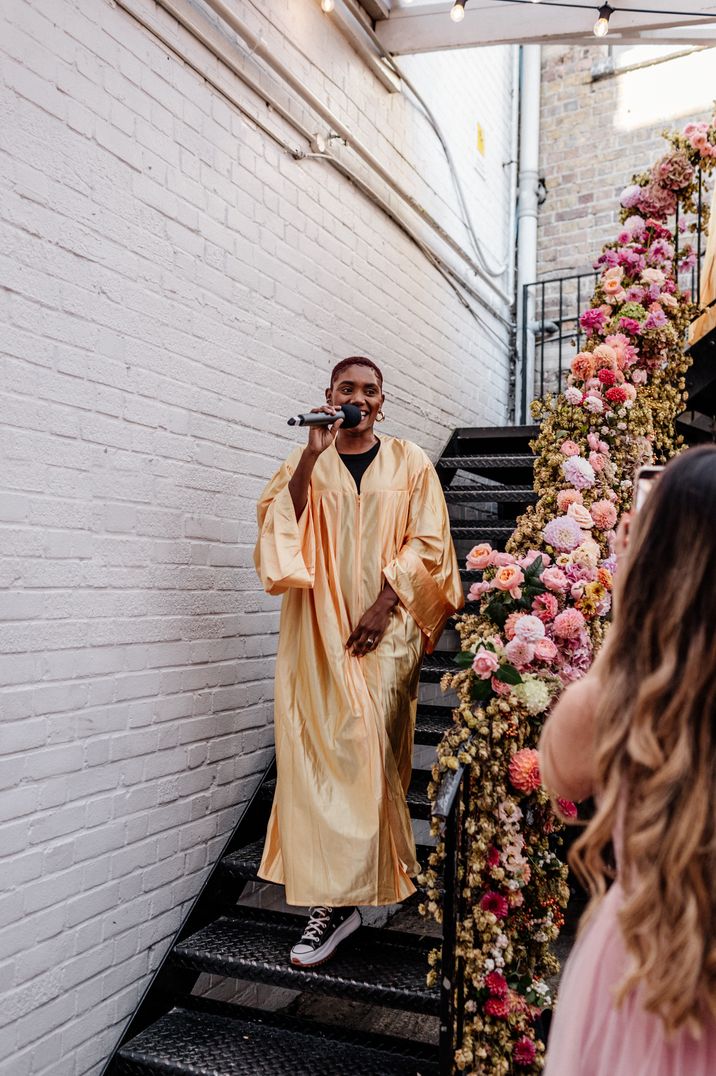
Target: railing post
[447, 958]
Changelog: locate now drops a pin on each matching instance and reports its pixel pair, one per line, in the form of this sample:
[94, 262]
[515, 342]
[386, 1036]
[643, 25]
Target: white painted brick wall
[173, 285]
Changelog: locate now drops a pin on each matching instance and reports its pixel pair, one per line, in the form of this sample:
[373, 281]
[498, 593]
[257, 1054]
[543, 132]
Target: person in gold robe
[354, 532]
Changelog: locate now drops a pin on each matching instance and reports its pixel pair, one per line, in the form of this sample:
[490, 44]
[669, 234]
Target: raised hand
[322, 437]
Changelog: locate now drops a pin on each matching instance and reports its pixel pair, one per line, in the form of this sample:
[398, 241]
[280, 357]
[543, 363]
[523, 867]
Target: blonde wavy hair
[656, 749]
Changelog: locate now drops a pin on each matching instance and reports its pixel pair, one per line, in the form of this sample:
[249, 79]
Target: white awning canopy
[427, 27]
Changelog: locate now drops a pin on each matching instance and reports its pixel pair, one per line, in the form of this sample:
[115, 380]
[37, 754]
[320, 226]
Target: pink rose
[478, 590]
[531, 556]
[597, 461]
[500, 687]
[510, 578]
[485, 663]
[580, 515]
[545, 650]
[569, 448]
[555, 579]
[479, 557]
[500, 560]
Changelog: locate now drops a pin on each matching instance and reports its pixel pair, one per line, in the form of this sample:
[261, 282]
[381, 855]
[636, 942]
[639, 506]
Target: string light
[328, 6]
[457, 14]
[601, 26]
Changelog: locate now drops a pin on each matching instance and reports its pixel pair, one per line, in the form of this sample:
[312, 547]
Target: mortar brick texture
[172, 286]
[596, 133]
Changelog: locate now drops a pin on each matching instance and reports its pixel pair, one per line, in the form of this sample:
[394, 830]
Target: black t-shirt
[359, 462]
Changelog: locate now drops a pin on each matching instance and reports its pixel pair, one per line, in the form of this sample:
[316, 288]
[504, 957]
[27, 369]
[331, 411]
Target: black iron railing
[451, 808]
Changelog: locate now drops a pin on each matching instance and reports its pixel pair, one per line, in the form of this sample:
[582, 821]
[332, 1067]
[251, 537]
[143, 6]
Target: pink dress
[590, 1037]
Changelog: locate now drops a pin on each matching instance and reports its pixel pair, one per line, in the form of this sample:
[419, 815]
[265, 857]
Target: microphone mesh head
[351, 415]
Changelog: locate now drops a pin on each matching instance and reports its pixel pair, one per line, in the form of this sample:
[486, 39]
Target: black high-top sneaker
[325, 930]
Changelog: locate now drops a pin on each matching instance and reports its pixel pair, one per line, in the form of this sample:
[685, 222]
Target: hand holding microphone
[325, 422]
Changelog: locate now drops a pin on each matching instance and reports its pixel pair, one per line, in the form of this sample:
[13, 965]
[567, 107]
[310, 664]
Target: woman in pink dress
[638, 994]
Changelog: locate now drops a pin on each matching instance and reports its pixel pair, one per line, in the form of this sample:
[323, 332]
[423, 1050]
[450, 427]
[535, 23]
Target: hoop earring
[380, 417]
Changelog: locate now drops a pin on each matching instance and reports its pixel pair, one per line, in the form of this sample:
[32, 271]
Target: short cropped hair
[356, 360]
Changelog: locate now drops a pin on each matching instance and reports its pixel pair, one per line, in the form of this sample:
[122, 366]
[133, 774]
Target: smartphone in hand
[643, 484]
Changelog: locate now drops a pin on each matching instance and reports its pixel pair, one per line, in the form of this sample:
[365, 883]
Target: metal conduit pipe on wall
[527, 207]
[209, 37]
[259, 49]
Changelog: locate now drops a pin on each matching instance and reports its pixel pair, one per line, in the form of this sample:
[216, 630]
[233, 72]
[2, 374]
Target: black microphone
[348, 412]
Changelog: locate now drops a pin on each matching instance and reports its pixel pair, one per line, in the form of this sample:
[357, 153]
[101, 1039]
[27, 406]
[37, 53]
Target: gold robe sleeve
[285, 553]
[425, 573]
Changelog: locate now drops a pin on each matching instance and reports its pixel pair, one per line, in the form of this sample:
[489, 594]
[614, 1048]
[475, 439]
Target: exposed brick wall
[596, 133]
[173, 285]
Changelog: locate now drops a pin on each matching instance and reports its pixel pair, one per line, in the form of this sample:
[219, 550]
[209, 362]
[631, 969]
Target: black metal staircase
[181, 1027]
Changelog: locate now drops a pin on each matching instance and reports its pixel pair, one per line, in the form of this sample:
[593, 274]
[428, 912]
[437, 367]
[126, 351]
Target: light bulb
[457, 13]
[328, 6]
[601, 26]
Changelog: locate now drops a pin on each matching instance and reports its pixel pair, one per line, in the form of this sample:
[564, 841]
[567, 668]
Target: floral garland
[543, 609]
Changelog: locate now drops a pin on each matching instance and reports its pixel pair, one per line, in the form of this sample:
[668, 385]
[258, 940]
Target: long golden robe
[340, 831]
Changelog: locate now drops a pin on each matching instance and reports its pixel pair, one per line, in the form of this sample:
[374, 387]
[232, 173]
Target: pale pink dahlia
[565, 497]
[593, 404]
[524, 770]
[573, 396]
[519, 653]
[511, 624]
[604, 515]
[568, 624]
[563, 533]
[529, 629]
[578, 472]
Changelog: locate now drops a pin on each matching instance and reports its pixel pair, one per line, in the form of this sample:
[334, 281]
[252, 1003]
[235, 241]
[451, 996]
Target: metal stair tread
[466, 463]
[431, 723]
[372, 965]
[487, 494]
[479, 528]
[188, 1043]
[436, 665]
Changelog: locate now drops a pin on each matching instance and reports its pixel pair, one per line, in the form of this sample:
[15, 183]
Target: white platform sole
[318, 956]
